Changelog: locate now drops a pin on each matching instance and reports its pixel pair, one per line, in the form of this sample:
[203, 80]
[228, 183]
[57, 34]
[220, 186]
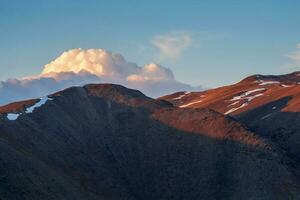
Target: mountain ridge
[110, 142]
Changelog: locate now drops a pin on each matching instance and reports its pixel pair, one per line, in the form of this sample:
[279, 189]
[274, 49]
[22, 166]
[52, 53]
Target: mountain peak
[285, 78]
[110, 92]
[123, 95]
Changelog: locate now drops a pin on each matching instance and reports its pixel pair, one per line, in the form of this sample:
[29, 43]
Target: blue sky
[226, 40]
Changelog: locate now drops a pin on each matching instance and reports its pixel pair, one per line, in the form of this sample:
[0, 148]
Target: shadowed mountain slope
[109, 142]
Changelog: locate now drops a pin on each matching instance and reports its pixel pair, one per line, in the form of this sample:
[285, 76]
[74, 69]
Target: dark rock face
[109, 142]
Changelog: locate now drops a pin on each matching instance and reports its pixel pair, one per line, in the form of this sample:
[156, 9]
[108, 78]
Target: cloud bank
[172, 45]
[78, 67]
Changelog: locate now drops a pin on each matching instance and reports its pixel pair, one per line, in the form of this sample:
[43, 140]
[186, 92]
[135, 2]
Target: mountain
[105, 141]
[268, 105]
[250, 93]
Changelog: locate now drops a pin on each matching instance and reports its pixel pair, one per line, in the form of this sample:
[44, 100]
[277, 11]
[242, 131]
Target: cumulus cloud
[78, 67]
[151, 72]
[95, 61]
[294, 63]
[173, 44]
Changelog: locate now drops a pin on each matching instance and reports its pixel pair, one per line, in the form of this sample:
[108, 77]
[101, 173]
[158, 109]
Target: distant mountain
[252, 92]
[268, 105]
[109, 142]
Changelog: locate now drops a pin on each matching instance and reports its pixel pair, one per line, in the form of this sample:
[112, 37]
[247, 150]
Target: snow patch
[244, 95]
[233, 103]
[268, 82]
[12, 116]
[181, 96]
[189, 104]
[234, 109]
[15, 116]
[253, 97]
[42, 101]
[283, 85]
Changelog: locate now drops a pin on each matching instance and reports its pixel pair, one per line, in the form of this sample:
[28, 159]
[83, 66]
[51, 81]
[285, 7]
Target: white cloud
[79, 67]
[173, 44]
[95, 61]
[105, 65]
[294, 58]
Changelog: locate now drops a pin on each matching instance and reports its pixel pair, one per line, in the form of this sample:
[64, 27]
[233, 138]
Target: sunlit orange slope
[245, 95]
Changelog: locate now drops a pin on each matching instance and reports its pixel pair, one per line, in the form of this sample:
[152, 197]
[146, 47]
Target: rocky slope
[109, 142]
